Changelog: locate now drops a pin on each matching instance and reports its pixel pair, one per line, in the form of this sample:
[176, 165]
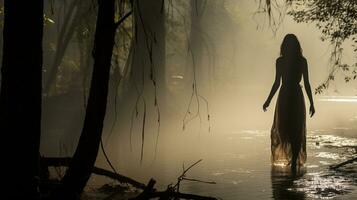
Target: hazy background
[245, 50]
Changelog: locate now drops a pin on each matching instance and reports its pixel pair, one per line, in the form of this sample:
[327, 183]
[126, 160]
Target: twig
[149, 193]
[182, 177]
[196, 180]
[117, 24]
[184, 172]
[344, 163]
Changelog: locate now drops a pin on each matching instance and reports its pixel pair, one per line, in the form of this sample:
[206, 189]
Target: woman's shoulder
[279, 60]
[300, 59]
[303, 61]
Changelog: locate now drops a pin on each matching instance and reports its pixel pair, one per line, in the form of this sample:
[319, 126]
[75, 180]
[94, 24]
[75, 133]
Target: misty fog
[236, 72]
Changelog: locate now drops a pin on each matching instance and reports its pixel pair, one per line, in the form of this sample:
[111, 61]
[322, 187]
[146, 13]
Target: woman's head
[290, 47]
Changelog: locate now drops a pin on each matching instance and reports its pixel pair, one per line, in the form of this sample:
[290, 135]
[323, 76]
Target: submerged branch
[150, 193]
[344, 163]
[181, 195]
[64, 162]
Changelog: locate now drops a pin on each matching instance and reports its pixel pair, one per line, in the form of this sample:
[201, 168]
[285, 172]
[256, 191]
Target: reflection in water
[282, 181]
[244, 173]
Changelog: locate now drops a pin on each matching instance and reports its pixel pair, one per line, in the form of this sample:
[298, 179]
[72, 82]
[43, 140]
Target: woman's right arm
[275, 86]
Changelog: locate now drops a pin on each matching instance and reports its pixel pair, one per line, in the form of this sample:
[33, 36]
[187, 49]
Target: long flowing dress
[288, 133]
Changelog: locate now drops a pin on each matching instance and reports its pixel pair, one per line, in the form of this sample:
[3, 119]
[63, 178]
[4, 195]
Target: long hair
[290, 47]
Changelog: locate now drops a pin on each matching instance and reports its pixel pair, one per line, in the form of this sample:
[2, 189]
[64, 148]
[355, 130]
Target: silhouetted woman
[288, 133]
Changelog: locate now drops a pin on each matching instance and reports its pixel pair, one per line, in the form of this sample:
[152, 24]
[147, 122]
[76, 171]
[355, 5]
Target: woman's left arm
[308, 87]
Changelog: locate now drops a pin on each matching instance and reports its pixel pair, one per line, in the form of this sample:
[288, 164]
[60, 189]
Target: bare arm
[307, 86]
[275, 86]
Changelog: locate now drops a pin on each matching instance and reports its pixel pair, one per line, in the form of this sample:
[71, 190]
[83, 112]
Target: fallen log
[150, 193]
[64, 162]
[118, 177]
[147, 191]
[181, 195]
[344, 163]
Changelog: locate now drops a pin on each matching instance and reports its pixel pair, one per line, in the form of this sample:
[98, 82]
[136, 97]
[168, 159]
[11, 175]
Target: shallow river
[239, 164]
[249, 175]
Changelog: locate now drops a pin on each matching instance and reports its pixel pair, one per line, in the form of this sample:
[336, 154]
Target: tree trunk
[20, 97]
[84, 158]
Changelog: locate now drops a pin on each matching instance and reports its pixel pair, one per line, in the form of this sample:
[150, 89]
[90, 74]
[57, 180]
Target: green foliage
[337, 20]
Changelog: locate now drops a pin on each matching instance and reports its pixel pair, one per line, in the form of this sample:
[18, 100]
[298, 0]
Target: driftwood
[181, 196]
[344, 163]
[149, 192]
[149, 189]
[173, 191]
[64, 161]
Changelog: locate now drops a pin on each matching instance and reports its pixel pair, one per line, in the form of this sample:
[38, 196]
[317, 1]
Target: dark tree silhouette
[20, 97]
[84, 158]
[74, 21]
[147, 80]
[150, 39]
[148, 64]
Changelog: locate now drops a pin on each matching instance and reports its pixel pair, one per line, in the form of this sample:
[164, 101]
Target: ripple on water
[329, 155]
[320, 182]
[332, 141]
[324, 185]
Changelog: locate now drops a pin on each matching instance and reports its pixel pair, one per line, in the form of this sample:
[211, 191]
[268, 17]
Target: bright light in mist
[349, 99]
